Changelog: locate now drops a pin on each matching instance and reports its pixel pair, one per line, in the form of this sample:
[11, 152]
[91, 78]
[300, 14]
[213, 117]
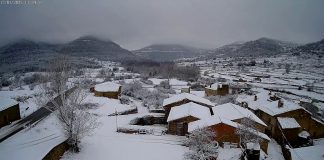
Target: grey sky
[138, 23]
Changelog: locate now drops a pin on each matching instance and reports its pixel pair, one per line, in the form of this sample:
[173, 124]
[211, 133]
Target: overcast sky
[137, 23]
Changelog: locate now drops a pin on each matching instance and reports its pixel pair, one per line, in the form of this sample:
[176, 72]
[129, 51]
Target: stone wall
[57, 152]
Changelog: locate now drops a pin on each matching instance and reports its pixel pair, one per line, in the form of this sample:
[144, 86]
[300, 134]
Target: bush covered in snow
[197, 87]
[132, 89]
[22, 99]
[35, 78]
[165, 84]
[5, 81]
[146, 81]
[166, 91]
[201, 145]
[147, 120]
[152, 99]
[124, 99]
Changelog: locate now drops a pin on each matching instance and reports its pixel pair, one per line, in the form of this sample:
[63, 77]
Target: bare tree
[165, 84]
[202, 145]
[248, 133]
[66, 103]
[287, 68]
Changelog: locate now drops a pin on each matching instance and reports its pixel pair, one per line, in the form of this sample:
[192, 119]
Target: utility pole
[116, 114]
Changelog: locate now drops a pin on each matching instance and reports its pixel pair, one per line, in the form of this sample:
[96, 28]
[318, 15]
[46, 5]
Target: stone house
[217, 89]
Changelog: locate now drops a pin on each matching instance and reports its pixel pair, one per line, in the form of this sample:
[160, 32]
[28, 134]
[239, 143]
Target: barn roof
[107, 87]
[7, 103]
[210, 121]
[188, 109]
[183, 96]
[232, 112]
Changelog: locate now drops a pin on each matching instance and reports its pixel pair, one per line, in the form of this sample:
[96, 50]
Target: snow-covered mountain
[310, 48]
[255, 48]
[167, 52]
[90, 46]
[27, 55]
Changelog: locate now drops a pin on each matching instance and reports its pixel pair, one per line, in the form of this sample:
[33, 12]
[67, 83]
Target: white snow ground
[106, 143]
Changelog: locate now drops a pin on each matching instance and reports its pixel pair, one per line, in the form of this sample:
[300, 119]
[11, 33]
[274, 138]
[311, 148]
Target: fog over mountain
[136, 24]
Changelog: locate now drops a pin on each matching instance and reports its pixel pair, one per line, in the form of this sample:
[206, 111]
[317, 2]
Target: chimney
[280, 103]
[255, 97]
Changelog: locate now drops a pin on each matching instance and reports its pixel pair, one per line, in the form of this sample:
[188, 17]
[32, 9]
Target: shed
[183, 98]
[9, 111]
[107, 89]
[180, 116]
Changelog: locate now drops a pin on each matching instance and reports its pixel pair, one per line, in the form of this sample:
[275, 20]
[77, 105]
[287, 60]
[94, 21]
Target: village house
[225, 130]
[184, 98]
[223, 119]
[180, 116]
[107, 89]
[237, 113]
[269, 107]
[217, 89]
[9, 111]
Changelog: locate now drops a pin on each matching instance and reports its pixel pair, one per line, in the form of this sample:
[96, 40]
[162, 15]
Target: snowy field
[106, 143]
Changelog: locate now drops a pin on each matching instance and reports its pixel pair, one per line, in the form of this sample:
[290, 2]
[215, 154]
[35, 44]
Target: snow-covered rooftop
[232, 112]
[288, 123]
[182, 96]
[210, 121]
[107, 87]
[188, 109]
[6, 103]
[217, 85]
[268, 106]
